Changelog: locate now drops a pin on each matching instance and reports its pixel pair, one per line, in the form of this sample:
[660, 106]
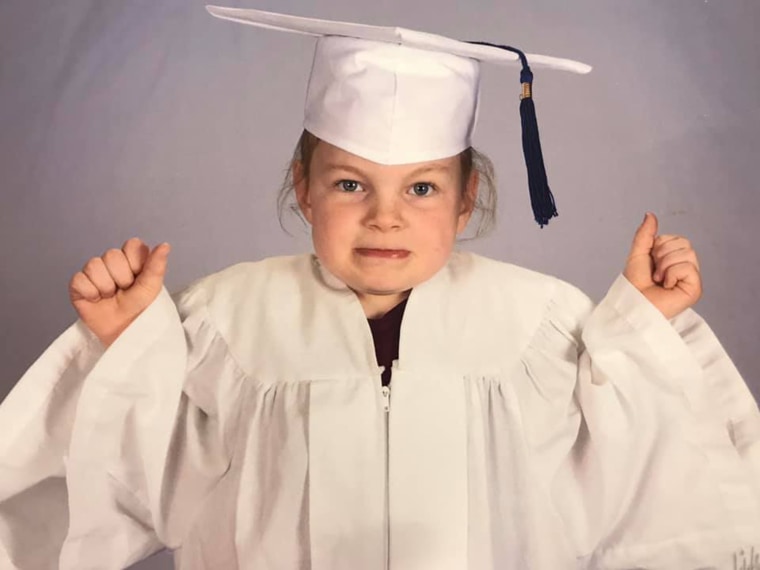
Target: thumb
[152, 275]
[643, 240]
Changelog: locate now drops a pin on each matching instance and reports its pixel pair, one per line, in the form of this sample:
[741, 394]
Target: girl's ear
[301, 185]
[468, 200]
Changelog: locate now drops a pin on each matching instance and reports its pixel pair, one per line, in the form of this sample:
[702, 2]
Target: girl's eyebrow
[346, 167]
[429, 168]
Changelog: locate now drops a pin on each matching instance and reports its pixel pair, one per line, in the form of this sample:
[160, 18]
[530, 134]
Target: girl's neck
[375, 306]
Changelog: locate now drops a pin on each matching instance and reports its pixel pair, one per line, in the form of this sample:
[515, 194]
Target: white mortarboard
[397, 96]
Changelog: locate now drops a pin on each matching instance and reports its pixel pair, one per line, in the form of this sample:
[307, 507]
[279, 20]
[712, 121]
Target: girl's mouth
[383, 253]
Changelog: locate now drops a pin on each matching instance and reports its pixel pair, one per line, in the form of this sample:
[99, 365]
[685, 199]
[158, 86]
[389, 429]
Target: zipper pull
[386, 390]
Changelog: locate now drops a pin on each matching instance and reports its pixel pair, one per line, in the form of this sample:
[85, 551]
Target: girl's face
[381, 229]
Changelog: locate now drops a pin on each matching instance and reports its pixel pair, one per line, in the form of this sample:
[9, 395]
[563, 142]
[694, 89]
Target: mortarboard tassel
[541, 198]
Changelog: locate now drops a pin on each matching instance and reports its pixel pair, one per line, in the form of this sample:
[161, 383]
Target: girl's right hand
[112, 290]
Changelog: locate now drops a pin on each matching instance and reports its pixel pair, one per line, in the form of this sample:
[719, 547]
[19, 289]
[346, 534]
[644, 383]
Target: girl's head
[398, 181]
[399, 108]
[384, 229]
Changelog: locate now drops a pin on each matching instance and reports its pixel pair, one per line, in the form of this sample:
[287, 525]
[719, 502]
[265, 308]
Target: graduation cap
[397, 96]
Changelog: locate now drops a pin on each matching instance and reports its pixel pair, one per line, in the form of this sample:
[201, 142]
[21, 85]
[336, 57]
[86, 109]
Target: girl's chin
[381, 291]
[384, 283]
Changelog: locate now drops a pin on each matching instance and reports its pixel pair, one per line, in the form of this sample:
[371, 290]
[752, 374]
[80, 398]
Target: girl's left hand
[664, 268]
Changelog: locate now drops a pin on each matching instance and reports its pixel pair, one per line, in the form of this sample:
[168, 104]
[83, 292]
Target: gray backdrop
[153, 119]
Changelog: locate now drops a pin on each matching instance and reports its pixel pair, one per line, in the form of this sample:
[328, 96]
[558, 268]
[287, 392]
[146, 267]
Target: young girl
[387, 402]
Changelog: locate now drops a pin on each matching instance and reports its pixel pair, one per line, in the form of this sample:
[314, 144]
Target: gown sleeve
[36, 420]
[673, 433]
[106, 454]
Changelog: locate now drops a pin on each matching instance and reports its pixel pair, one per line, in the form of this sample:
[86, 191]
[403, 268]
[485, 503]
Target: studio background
[153, 119]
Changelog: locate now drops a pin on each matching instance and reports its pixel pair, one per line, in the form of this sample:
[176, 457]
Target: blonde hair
[484, 209]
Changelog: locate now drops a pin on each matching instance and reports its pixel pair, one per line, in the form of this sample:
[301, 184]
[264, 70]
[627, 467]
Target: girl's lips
[384, 253]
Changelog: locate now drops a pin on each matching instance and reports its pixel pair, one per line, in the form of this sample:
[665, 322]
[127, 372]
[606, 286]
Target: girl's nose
[384, 213]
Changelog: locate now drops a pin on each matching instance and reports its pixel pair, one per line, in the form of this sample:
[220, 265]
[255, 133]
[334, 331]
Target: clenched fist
[112, 290]
[664, 268]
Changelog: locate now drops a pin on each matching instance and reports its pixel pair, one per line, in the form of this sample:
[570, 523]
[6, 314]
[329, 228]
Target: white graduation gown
[241, 422]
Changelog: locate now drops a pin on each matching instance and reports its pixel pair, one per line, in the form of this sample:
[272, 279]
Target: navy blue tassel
[541, 198]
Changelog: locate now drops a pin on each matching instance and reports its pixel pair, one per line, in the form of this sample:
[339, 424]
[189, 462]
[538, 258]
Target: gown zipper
[386, 390]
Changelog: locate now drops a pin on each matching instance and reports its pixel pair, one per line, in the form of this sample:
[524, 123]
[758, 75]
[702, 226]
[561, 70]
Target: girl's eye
[422, 189]
[348, 185]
